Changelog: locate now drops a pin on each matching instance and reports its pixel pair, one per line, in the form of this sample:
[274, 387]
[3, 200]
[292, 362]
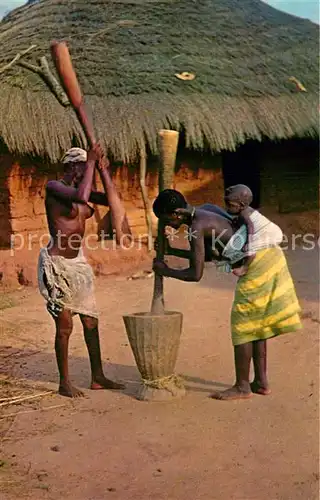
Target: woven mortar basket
[154, 340]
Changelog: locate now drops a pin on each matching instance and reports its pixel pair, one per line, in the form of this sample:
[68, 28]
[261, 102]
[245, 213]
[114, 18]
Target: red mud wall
[23, 223]
[289, 183]
[22, 190]
[5, 222]
[26, 185]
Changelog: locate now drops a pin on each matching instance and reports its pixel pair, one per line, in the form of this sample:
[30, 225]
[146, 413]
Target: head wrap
[74, 155]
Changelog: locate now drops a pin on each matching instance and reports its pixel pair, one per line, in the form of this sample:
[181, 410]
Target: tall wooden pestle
[168, 145]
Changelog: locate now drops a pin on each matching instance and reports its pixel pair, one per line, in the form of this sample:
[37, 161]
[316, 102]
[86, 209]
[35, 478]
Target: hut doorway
[243, 167]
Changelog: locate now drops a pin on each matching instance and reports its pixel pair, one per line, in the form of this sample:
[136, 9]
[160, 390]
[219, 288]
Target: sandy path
[112, 446]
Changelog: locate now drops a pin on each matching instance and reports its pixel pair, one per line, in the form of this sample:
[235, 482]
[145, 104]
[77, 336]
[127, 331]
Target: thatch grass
[126, 54]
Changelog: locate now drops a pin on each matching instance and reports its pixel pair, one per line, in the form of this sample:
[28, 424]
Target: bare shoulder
[207, 217]
[53, 183]
[57, 189]
[201, 218]
[53, 186]
[58, 198]
[206, 222]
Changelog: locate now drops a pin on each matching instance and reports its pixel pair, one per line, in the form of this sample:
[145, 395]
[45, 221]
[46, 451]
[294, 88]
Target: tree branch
[31, 67]
[17, 58]
[53, 83]
[44, 72]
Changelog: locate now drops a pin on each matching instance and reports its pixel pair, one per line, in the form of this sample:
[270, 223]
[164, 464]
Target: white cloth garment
[74, 155]
[266, 234]
[67, 284]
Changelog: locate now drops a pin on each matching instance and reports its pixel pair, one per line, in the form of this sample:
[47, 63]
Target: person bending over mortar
[265, 303]
[65, 278]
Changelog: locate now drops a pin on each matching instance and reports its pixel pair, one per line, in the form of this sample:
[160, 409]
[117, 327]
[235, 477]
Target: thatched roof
[127, 53]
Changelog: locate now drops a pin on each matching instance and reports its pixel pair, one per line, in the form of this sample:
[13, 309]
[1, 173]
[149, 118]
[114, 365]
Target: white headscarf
[74, 155]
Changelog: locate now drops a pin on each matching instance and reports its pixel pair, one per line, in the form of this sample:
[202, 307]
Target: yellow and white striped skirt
[265, 303]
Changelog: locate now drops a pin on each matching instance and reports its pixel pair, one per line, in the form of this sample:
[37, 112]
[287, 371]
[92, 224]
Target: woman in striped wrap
[265, 303]
[265, 306]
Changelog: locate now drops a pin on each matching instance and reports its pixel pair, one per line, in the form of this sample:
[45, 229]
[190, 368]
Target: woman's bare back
[213, 226]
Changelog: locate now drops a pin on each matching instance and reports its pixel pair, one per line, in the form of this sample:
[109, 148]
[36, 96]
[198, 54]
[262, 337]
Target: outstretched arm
[175, 252]
[118, 214]
[195, 270]
[179, 252]
[99, 197]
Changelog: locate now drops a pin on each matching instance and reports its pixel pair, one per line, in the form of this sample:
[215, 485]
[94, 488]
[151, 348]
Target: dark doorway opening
[242, 167]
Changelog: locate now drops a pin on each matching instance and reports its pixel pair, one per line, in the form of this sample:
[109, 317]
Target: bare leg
[241, 389]
[260, 384]
[91, 335]
[64, 326]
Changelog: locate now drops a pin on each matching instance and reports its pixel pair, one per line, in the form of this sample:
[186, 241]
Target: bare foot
[231, 394]
[68, 390]
[102, 382]
[259, 389]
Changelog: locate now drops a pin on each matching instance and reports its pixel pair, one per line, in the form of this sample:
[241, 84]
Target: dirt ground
[109, 445]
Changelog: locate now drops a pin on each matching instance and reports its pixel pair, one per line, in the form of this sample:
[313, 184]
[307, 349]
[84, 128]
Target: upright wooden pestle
[168, 145]
[63, 63]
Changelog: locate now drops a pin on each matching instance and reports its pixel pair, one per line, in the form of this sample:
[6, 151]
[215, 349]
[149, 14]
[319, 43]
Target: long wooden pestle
[68, 78]
[168, 146]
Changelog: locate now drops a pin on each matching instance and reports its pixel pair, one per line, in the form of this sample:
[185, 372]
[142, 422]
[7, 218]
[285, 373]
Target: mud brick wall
[289, 183]
[5, 223]
[25, 184]
[289, 174]
[22, 191]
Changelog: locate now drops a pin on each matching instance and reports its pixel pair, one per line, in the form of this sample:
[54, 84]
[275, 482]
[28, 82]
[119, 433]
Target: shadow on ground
[40, 368]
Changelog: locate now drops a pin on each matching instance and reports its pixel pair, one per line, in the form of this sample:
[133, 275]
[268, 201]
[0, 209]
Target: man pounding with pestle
[65, 278]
